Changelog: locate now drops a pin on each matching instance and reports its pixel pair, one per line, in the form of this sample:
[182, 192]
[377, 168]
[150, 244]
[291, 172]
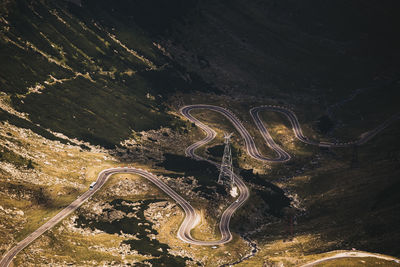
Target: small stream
[254, 250]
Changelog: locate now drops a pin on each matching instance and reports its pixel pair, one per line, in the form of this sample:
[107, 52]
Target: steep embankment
[287, 48]
[70, 78]
[100, 71]
[88, 72]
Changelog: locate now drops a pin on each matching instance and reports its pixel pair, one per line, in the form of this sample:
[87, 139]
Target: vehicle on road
[92, 185]
[192, 218]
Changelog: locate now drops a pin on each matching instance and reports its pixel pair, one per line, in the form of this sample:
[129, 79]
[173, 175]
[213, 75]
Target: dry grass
[358, 262]
[61, 245]
[61, 173]
[207, 229]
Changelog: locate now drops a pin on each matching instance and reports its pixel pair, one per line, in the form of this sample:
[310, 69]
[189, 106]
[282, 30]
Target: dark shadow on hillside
[205, 173]
[134, 225]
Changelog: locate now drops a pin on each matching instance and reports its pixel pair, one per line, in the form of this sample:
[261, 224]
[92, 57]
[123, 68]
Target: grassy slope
[313, 55]
[309, 55]
[336, 196]
[361, 199]
[111, 78]
[38, 177]
[357, 262]
[345, 206]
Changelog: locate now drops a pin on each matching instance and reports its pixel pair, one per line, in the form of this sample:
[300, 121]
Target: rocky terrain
[88, 85]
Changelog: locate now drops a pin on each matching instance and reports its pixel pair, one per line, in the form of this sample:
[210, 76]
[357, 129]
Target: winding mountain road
[352, 254]
[192, 218]
[254, 112]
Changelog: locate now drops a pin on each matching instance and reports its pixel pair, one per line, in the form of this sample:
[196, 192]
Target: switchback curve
[192, 218]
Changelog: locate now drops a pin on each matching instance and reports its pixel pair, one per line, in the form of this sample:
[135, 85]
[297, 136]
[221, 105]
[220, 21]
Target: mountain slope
[87, 73]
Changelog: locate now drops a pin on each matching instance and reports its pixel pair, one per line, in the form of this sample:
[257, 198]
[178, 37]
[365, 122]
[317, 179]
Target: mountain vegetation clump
[89, 85]
[85, 72]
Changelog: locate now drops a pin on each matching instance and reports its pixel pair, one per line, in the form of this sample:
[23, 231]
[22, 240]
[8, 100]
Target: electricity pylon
[226, 171]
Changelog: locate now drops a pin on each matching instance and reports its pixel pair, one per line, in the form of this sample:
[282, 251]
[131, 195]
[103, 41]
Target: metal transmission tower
[226, 172]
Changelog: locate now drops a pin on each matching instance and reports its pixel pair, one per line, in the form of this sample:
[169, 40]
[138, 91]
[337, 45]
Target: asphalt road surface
[192, 218]
[352, 254]
[254, 112]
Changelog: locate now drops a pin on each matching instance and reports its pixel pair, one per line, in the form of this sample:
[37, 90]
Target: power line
[226, 171]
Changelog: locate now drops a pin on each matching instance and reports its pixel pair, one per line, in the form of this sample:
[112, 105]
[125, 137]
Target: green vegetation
[22, 123]
[135, 225]
[38, 202]
[101, 117]
[273, 196]
[205, 173]
[7, 155]
[100, 73]
[217, 152]
[125, 225]
[87, 72]
[37, 194]
[348, 206]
